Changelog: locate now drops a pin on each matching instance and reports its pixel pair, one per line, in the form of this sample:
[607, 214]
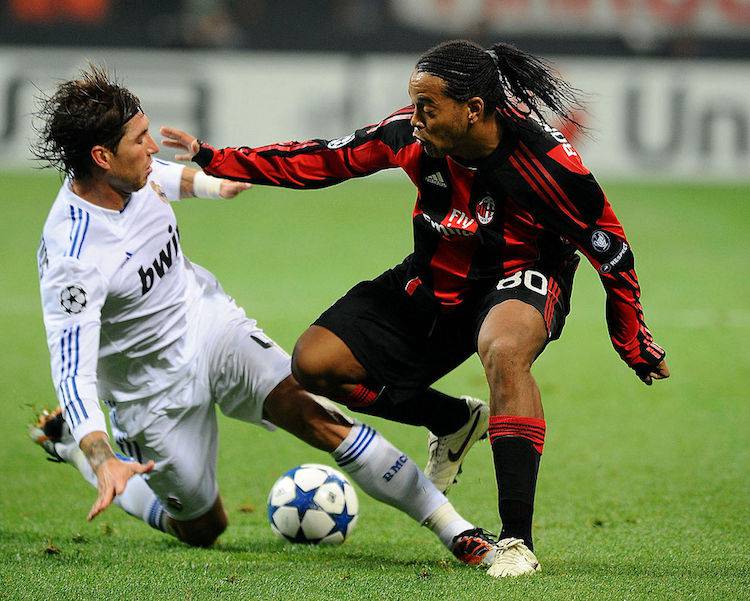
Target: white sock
[137, 499]
[446, 523]
[388, 475]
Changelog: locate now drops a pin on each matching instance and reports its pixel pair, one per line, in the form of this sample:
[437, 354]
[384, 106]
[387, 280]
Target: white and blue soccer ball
[313, 504]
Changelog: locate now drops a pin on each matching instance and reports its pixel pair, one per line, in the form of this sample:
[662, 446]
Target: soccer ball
[313, 504]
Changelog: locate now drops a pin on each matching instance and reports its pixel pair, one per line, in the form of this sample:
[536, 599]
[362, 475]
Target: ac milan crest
[485, 210]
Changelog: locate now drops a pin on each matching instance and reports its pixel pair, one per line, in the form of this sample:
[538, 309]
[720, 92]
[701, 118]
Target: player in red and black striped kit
[503, 204]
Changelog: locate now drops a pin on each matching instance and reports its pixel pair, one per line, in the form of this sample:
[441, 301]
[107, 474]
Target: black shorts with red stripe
[548, 291]
[406, 344]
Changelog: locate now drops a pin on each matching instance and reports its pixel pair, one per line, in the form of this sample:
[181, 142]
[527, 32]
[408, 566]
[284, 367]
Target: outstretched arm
[304, 165]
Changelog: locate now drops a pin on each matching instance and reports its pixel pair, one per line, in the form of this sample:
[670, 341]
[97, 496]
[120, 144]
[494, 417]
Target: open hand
[183, 141]
[112, 477]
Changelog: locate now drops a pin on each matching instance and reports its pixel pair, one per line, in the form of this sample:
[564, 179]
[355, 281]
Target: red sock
[360, 396]
[530, 428]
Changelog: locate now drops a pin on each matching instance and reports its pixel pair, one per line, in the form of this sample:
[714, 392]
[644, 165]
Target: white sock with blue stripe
[137, 499]
[388, 475]
[140, 501]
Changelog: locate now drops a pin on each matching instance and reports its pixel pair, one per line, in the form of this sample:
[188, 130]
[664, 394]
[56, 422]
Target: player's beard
[128, 185]
[445, 144]
[431, 151]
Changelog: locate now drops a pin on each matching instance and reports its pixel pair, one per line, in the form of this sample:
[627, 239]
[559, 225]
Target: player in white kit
[132, 322]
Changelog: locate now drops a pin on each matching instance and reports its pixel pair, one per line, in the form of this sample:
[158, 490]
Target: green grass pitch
[643, 492]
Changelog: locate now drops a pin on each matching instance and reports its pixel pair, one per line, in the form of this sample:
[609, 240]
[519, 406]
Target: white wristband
[206, 186]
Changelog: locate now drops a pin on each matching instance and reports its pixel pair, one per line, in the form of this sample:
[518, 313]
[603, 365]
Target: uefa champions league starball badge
[73, 299]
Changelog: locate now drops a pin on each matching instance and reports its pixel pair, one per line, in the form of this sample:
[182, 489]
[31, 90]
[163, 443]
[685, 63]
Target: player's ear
[475, 109]
[101, 156]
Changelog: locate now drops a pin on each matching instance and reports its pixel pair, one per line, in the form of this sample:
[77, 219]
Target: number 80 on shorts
[533, 280]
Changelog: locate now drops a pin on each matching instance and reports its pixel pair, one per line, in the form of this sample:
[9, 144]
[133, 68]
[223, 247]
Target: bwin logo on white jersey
[162, 263]
[436, 179]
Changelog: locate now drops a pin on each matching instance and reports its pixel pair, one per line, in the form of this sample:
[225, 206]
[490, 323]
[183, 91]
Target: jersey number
[533, 280]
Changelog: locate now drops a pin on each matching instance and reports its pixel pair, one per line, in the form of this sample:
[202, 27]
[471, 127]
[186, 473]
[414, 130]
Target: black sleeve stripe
[279, 151]
[300, 183]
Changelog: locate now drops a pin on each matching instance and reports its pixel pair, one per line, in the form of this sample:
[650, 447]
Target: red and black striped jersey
[532, 202]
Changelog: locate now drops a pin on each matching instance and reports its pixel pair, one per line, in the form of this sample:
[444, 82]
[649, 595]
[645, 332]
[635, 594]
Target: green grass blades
[643, 492]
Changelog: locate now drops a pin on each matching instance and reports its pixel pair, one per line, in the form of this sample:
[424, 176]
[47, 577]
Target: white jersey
[117, 296]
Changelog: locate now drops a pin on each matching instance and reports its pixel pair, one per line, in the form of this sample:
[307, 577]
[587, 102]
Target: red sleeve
[571, 202]
[315, 163]
[605, 246]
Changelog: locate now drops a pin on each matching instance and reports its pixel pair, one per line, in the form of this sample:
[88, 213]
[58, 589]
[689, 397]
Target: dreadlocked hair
[79, 115]
[503, 76]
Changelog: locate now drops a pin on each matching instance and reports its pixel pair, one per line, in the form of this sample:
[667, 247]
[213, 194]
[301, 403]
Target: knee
[308, 370]
[510, 339]
[203, 531]
[507, 353]
[322, 363]
[205, 537]
[312, 369]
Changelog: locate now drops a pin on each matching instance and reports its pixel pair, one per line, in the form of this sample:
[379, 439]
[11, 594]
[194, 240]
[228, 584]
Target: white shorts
[237, 369]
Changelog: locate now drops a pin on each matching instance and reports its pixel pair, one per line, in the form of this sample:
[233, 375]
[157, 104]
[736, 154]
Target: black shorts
[407, 345]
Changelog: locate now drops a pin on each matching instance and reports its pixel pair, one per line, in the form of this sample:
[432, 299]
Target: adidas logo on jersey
[436, 179]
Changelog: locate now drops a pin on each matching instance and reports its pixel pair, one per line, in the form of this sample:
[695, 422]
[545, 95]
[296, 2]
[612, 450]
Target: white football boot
[446, 453]
[513, 558]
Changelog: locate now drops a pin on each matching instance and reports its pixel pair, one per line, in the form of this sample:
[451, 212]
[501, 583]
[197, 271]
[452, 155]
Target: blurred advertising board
[600, 17]
[669, 120]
